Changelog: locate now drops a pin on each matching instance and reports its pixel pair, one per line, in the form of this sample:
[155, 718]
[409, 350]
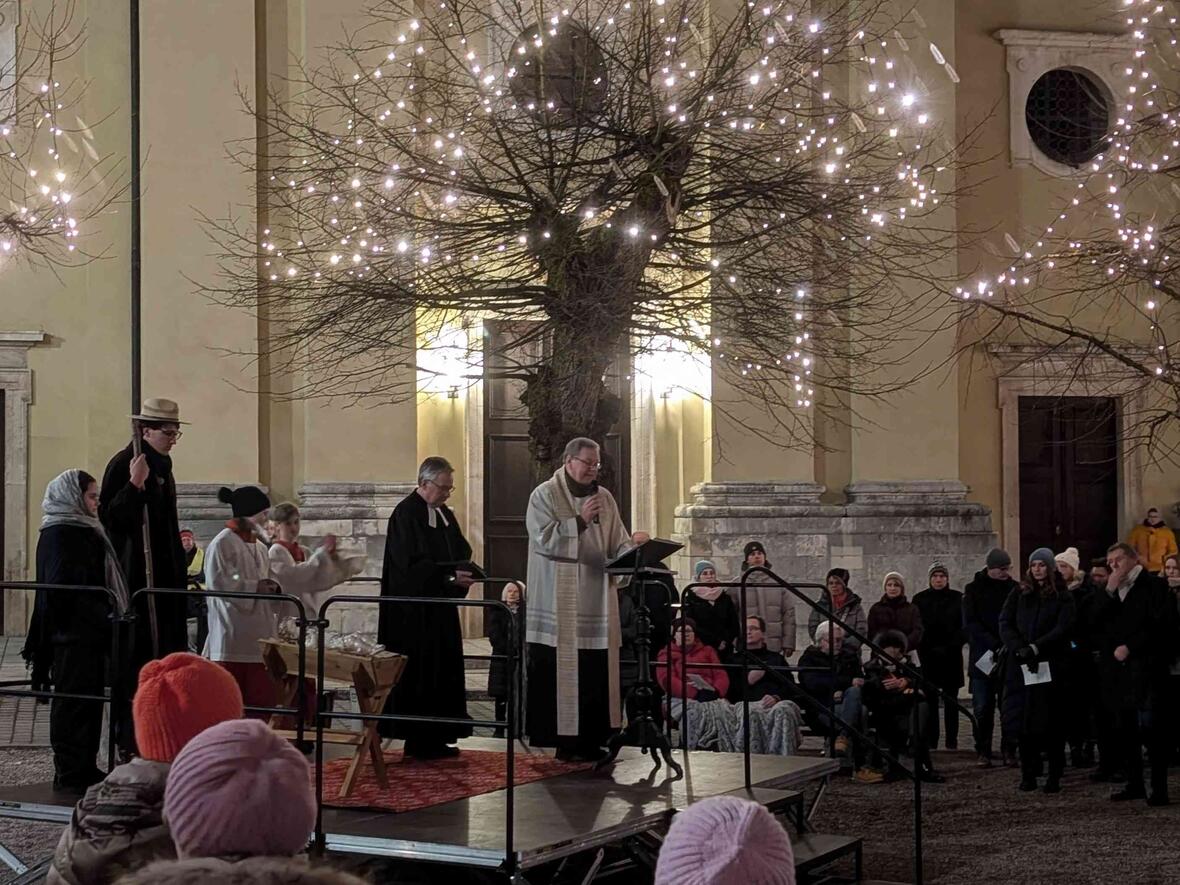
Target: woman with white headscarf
[70, 633]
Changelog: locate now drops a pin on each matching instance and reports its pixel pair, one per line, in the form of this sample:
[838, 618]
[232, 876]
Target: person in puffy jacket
[768, 600]
[119, 825]
[838, 602]
[684, 680]
[1153, 541]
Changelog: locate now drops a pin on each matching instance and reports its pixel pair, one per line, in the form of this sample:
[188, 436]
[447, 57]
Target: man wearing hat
[130, 484]
[983, 600]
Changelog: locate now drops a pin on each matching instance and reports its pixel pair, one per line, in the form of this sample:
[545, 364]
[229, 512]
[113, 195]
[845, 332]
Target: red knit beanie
[179, 697]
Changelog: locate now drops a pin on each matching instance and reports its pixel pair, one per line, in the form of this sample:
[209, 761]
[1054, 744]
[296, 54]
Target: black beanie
[246, 501]
[751, 547]
[841, 573]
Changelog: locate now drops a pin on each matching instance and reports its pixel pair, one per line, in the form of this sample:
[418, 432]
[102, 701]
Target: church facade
[983, 452]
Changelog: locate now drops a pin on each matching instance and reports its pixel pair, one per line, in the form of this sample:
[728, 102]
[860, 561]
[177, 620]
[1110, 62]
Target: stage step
[814, 851]
[788, 803]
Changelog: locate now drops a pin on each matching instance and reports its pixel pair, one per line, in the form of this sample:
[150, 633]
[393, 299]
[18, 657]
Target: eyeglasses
[172, 434]
[593, 465]
[441, 488]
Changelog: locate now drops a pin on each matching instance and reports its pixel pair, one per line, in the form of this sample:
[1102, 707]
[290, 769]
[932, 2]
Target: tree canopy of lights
[52, 178]
[756, 184]
[1095, 291]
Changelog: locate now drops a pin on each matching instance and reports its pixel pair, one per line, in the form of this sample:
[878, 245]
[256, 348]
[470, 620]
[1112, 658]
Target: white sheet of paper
[986, 663]
[1040, 677]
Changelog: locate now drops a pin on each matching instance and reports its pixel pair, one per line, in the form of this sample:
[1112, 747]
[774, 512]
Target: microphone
[594, 491]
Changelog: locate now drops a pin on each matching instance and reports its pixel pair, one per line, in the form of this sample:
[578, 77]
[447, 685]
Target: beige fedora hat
[165, 411]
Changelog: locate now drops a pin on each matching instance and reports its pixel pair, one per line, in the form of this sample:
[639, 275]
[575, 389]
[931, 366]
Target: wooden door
[507, 470]
[1068, 475]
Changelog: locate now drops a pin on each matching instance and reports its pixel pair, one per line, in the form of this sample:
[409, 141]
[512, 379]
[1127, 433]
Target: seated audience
[724, 840]
[894, 612]
[712, 610]
[772, 681]
[684, 679]
[832, 676]
[119, 825]
[837, 601]
[767, 599]
[1035, 625]
[941, 650]
[238, 790]
[890, 696]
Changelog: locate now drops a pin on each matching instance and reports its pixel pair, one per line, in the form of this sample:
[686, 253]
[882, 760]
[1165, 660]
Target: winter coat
[851, 613]
[1154, 544]
[121, 508]
[881, 701]
[1031, 617]
[1143, 623]
[896, 614]
[943, 637]
[682, 668]
[235, 565]
[983, 600]
[118, 826]
[499, 635]
[818, 677]
[775, 605]
[716, 622]
[70, 554]
[780, 683]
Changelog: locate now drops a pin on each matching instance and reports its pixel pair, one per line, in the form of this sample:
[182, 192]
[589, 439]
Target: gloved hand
[1026, 654]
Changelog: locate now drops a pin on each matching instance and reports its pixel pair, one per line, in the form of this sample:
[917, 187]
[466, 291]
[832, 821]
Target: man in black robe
[129, 483]
[423, 546]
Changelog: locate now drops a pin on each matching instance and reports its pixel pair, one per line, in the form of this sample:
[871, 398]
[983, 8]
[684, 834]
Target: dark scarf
[577, 489]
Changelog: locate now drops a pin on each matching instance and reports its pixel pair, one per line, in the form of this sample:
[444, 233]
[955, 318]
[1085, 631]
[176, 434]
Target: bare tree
[1095, 293]
[759, 189]
[52, 178]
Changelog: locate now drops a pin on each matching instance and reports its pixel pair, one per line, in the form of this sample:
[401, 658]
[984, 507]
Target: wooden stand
[372, 676]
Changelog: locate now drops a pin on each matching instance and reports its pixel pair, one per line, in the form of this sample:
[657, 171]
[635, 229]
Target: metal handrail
[299, 711]
[513, 658]
[116, 619]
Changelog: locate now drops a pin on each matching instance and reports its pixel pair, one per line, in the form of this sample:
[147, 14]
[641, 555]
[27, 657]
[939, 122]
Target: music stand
[643, 730]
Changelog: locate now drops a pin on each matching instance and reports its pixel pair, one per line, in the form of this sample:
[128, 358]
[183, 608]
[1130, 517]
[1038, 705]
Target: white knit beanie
[1070, 557]
[725, 840]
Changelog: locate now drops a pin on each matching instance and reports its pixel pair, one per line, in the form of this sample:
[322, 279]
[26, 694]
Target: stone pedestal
[885, 526]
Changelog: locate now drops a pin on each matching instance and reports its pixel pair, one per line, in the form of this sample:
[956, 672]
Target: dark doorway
[1068, 475]
[507, 472]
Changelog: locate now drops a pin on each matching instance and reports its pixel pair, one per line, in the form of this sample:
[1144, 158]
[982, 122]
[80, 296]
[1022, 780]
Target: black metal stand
[643, 730]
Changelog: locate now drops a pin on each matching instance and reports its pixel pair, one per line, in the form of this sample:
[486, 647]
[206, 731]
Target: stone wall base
[885, 526]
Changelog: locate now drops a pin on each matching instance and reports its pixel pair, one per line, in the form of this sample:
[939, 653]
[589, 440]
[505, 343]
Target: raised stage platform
[555, 817]
[561, 815]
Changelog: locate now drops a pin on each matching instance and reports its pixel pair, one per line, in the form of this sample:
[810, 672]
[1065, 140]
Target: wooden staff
[149, 567]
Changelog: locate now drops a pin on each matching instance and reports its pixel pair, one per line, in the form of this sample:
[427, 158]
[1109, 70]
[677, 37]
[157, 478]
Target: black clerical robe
[428, 634]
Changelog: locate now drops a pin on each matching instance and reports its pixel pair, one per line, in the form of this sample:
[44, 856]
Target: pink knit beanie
[726, 841]
[239, 789]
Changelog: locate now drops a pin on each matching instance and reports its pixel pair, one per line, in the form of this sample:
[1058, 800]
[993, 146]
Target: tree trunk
[567, 398]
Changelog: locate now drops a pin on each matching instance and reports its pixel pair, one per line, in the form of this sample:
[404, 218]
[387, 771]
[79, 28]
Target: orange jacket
[1154, 544]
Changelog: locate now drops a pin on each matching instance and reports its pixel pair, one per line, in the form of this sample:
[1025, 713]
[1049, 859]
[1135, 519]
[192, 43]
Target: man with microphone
[572, 625]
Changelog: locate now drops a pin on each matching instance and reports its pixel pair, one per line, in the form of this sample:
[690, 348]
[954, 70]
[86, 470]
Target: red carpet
[415, 784]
